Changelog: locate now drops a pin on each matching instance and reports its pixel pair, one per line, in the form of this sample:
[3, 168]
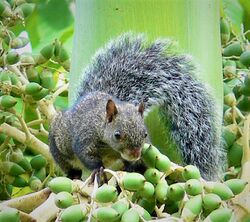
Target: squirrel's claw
[100, 175]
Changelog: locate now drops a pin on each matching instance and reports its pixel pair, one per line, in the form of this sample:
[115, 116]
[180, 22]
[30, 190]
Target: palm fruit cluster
[133, 197]
[25, 81]
[17, 171]
[236, 73]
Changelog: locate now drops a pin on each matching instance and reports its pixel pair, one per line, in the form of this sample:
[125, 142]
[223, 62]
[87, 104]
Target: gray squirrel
[125, 77]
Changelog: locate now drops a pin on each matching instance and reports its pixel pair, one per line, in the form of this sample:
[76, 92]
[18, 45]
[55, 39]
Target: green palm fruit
[40, 173]
[5, 9]
[193, 187]
[230, 99]
[228, 116]
[244, 104]
[65, 93]
[33, 75]
[47, 79]
[35, 183]
[11, 168]
[130, 216]
[192, 208]
[236, 185]
[32, 88]
[74, 213]
[5, 77]
[219, 215]
[40, 95]
[63, 55]
[121, 206]
[66, 65]
[245, 58]
[149, 155]
[64, 200]
[161, 190]
[133, 181]
[104, 214]
[191, 172]
[19, 42]
[5, 191]
[235, 153]
[27, 59]
[147, 191]
[8, 35]
[172, 207]
[247, 80]
[222, 190]
[233, 49]
[152, 175]
[142, 212]
[10, 215]
[245, 88]
[18, 158]
[48, 51]
[106, 193]
[25, 164]
[211, 201]
[12, 58]
[57, 47]
[224, 31]
[229, 69]
[2, 138]
[39, 59]
[15, 80]
[162, 163]
[7, 101]
[176, 192]
[148, 205]
[59, 184]
[229, 134]
[19, 182]
[25, 9]
[239, 65]
[38, 161]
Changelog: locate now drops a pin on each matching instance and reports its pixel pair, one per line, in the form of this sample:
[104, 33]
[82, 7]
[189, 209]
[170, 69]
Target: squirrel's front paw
[100, 176]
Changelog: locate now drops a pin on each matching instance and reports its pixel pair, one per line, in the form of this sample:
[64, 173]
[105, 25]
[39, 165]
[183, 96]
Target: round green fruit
[133, 181]
[59, 184]
[74, 213]
[106, 193]
[64, 200]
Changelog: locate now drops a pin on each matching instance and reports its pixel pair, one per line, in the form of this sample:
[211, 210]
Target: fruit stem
[93, 203]
[246, 151]
[60, 90]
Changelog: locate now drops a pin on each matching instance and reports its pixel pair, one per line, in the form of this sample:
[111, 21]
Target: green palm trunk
[193, 24]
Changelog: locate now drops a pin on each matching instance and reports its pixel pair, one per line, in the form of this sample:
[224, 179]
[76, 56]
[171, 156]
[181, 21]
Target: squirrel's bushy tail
[134, 71]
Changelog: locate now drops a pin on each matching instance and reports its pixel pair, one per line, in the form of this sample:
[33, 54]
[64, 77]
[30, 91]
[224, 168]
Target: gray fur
[132, 71]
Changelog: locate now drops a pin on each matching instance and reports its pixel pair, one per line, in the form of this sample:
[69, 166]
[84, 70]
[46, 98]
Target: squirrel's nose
[136, 152]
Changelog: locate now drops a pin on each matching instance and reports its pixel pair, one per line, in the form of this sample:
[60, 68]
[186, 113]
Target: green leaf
[234, 11]
[50, 20]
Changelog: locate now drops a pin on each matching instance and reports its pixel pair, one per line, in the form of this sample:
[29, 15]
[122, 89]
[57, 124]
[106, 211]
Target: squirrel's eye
[118, 135]
[146, 134]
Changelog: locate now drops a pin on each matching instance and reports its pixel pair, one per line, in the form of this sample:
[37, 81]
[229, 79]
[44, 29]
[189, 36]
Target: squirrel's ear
[111, 110]
[141, 108]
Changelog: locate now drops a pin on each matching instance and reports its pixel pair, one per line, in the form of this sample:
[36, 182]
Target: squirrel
[125, 77]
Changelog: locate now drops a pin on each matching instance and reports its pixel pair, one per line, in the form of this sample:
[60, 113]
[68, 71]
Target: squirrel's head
[125, 131]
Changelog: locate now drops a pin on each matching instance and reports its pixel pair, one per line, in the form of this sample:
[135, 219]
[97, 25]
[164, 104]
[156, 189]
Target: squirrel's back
[133, 70]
